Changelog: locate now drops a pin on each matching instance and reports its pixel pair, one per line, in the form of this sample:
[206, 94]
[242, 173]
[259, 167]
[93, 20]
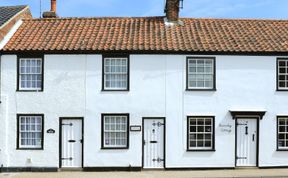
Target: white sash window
[115, 130]
[282, 74]
[30, 131]
[200, 73]
[200, 133]
[115, 74]
[30, 74]
[282, 134]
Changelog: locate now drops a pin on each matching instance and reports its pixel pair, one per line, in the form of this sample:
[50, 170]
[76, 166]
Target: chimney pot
[172, 10]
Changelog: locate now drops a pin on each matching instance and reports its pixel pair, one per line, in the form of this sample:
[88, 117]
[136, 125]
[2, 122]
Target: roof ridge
[155, 17]
[80, 18]
[14, 6]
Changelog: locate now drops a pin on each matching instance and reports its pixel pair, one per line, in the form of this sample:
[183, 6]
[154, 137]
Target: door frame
[257, 137]
[164, 139]
[60, 138]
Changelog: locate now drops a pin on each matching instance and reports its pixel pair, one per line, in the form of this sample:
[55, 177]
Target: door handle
[253, 137]
[71, 141]
[246, 130]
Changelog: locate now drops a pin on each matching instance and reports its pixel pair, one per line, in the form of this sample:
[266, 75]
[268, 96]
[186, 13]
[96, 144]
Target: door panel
[153, 143]
[246, 142]
[71, 143]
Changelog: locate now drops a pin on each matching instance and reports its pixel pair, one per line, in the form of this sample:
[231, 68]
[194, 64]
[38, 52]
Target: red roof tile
[151, 35]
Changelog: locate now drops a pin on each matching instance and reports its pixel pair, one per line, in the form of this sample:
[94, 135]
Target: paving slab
[237, 173]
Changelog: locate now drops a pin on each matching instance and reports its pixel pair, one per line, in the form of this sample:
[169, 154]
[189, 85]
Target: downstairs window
[200, 133]
[30, 131]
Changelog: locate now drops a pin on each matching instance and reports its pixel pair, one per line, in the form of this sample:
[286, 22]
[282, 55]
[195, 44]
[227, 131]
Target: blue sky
[267, 9]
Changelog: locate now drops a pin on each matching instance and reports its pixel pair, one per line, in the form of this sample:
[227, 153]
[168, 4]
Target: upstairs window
[282, 133]
[116, 73]
[30, 131]
[200, 133]
[30, 76]
[282, 74]
[200, 73]
[115, 131]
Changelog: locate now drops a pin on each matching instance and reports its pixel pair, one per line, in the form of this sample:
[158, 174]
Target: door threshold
[71, 169]
[247, 167]
[153, 169]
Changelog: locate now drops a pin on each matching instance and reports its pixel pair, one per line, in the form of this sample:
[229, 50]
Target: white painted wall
[72, 87]
[63, 95]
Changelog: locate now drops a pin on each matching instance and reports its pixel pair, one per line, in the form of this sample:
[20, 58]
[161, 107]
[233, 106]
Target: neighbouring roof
[8, 12]
[150, 35]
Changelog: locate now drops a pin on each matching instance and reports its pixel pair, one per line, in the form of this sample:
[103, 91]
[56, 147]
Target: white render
[72, 88]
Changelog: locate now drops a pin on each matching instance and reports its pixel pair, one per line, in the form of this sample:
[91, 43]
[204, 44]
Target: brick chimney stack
[53, 6]
[52, 12]
[172, 10]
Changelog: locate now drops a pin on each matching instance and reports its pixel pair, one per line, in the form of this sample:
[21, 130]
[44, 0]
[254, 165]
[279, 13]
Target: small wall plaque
[51, 131]
[135, 128]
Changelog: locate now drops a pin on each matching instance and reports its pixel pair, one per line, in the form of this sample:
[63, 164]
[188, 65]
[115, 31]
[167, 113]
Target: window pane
[200, 129]
[200, 143]
[282, 77]
[200, 121]
[283, 70]
[193, 128]
[282, 129]
[193, 144]
[207, 143]
[282, 63]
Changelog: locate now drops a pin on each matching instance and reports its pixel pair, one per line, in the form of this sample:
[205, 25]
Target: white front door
[246, 155]
[71, 143]
[153, 143]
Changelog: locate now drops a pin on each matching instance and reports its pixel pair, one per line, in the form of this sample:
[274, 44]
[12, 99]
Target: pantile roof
[150, 35]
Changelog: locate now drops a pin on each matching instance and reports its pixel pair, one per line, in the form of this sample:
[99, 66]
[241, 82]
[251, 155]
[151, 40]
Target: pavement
[237, 173]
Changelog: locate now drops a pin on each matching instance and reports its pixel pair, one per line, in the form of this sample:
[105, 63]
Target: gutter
[145, 52]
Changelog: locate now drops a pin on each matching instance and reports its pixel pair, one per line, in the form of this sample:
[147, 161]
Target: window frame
[102, 130]
[18, 145]
[19, 57]
[128, 71]
[277, 74]
[277, 133]
[187, 74]
[212, 132]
